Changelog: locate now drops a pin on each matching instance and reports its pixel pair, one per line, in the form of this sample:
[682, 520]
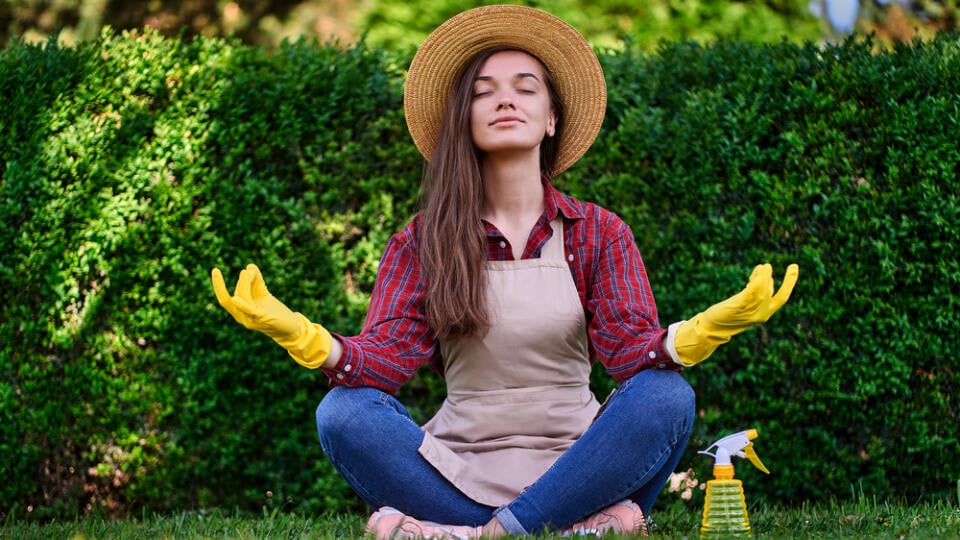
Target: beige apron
[518, 397]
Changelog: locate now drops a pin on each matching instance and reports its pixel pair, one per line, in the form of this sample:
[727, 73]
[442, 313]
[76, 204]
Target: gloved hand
[697, 338]
[255, 308]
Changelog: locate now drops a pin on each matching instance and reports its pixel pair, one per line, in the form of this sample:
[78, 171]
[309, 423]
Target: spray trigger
[735, 445]
[751, 454]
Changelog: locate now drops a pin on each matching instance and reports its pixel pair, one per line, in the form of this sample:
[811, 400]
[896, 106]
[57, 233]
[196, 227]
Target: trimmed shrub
[131, 166]
[845, 161]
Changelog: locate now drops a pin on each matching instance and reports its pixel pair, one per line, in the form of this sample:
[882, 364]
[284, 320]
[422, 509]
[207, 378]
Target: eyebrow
[521, 75]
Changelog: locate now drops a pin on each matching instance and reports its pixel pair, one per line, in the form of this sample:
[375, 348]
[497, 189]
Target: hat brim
[562, 49]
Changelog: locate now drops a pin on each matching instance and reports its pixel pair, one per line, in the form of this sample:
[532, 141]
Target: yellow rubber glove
[697, 338]
[255, 308]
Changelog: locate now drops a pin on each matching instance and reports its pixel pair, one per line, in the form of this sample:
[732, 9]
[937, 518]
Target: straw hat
[562, 49]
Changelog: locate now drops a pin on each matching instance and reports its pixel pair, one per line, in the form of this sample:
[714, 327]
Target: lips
[506, 119]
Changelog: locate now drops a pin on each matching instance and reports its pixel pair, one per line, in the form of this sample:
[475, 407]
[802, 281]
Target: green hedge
[846, 162]
[132, 165]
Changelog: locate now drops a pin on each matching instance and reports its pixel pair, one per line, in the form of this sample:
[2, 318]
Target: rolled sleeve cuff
[347, 370]
[670, 343]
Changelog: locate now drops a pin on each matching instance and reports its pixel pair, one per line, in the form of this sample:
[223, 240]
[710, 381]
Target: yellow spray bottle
[725, 508]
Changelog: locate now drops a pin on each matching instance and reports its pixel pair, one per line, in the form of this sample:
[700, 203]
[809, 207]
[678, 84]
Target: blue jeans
[627, 453]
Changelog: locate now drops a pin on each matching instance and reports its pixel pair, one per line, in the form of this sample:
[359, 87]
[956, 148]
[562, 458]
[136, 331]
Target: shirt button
[503, 245]
[347, 368]
[570, 257]
[339, 375]
[653, 354]
[662, 365]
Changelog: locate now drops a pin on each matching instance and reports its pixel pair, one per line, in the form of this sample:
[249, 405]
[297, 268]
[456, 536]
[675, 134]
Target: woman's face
[511, 111]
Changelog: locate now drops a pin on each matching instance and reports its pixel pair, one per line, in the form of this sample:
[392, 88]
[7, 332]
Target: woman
[511, 290]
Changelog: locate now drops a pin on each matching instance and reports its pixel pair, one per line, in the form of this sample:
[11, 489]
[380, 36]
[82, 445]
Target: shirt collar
[555, 202]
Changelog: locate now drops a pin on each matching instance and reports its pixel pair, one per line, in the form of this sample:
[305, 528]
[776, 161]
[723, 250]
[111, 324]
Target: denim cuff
[509, 521]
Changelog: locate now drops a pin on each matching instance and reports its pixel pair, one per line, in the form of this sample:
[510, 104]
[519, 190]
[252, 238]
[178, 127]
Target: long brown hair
[453, 242]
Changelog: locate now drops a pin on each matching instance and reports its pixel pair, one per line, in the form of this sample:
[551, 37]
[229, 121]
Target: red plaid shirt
[623, 329]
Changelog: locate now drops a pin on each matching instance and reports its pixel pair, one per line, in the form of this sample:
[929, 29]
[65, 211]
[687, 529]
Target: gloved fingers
[220, 289]
[761, 271]
[230, 303]
[758, 290]
[249, 287]
[789, 281]
[762, 278]
[243, 308]
[258, 287]
[245, 284]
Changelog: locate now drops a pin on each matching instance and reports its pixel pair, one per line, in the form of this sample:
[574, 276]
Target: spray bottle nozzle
[739, 445]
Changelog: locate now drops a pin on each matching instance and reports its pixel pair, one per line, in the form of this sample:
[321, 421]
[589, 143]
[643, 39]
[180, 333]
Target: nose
[505, 103]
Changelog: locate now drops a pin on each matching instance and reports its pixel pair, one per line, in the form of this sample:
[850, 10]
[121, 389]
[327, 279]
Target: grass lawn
[859, 519]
